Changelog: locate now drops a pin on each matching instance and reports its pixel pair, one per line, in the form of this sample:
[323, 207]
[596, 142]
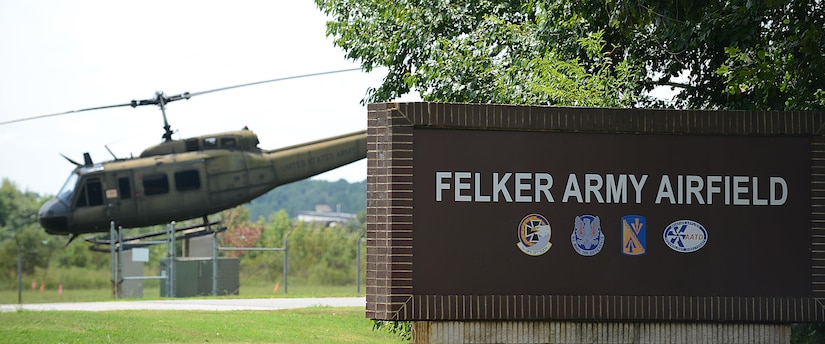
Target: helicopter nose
[53, 217]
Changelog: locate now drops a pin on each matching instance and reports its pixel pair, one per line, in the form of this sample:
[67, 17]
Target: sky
[58, 56]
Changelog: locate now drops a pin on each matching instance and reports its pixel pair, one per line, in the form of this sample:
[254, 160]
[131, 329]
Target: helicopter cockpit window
[67, 191]
[155, 184]
[229, 142]
[210, 142]
[187, 180]
[91, 194]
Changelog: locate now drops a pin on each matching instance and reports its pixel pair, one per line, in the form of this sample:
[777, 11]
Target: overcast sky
[58, 56]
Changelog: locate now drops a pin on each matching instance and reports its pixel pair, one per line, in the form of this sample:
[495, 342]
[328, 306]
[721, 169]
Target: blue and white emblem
[587, 235]
[685, 236]
[534, 235]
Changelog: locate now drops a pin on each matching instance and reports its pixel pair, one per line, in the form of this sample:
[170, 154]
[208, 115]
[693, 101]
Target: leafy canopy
[738, 54]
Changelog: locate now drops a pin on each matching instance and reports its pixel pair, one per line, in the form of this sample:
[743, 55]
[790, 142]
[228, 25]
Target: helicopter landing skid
[101, 245]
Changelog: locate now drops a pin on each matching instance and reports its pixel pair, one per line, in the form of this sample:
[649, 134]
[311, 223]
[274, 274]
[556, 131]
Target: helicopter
[183, 179]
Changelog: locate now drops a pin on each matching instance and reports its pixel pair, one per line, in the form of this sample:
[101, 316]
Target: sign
[485, 212]
[723, 207]
[140, 254]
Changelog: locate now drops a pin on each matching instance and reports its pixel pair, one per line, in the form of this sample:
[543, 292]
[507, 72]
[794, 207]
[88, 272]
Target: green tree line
[305, 194]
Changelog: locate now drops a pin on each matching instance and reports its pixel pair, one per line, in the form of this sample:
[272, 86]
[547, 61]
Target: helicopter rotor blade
[271, 80]
[161, 100]
[70, 160]
[63, 113]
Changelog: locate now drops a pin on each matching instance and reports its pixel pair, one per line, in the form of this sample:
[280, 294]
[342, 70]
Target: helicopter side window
[91, 194]
[187, 180]
[125, 188]
[155, 184]
[229, 142]
[95, 190]
[210, 142]
[191, 145]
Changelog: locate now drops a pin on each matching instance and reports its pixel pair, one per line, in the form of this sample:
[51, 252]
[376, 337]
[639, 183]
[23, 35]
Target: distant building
[323, 214]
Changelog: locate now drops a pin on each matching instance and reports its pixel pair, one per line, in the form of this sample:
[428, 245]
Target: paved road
[192, 304]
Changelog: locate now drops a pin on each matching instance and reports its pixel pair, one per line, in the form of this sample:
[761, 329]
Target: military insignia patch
[587, 237]
[685, 236]
[534, 235]
[634, 235]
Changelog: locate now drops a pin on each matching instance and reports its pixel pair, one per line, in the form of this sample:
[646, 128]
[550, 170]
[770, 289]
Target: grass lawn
[51, 295]
[308, 325]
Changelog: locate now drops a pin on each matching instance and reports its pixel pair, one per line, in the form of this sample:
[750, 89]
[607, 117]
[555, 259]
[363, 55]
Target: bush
[403, 329]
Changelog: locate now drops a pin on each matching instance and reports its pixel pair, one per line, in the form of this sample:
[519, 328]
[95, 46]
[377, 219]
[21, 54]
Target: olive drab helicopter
[185, 179]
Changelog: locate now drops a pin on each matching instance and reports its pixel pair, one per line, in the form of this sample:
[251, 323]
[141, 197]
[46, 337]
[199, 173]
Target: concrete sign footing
[571, 332]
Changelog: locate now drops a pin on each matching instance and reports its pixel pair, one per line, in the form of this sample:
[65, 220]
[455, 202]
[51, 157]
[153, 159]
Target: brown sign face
[538, 213]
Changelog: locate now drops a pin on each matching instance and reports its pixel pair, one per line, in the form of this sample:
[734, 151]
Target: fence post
[286, 257]
[119, 260]
[112, 240]
[358, 265]
[170, 256]
[215, 264]
[19, 271]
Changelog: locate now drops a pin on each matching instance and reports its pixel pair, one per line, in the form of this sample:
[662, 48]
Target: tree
[239, 231]
[17, 209]
[18, 224]
[782, 66]
[476, 51]
[738, 54]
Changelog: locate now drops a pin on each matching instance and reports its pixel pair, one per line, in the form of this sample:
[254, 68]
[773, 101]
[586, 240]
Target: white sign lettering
[590, 188]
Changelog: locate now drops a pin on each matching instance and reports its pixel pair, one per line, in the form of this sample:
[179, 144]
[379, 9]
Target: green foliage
[19, 230]
[18, 210]
[553, 80]
[305, 194]
[79, 256]
[324, 255]
[317, 254]
[480, 51]
[813, 333]
[739, 54]
[268, 265]
[780, 65]
[402, 329]
[35, 246]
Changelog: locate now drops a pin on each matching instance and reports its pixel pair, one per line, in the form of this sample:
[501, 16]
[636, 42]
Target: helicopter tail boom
[309, 159]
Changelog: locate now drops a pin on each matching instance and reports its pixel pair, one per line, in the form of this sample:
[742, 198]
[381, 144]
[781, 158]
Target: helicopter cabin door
[119, 195]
